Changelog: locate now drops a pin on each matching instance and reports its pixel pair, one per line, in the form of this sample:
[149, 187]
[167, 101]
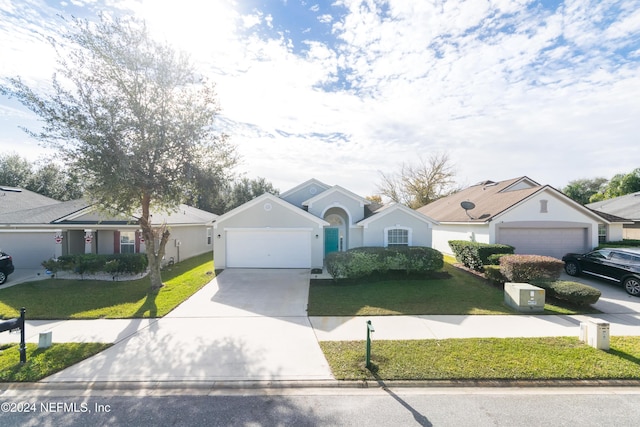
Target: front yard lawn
[459, 292]
[561, 358]
[43, 362]
[93, 299]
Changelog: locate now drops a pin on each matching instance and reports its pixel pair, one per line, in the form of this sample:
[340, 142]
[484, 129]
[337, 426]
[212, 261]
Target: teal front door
[331, 240]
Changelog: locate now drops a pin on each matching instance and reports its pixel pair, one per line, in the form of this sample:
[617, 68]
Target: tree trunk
[153, 236]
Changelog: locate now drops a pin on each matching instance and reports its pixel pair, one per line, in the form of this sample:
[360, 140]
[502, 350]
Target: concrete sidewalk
[341, 328]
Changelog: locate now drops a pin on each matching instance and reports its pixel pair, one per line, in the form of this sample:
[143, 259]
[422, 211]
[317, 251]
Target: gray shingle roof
[490, 199]
[627, 206]
[18, 199]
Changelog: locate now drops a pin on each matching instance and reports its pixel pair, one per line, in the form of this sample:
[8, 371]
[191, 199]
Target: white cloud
[508, 88]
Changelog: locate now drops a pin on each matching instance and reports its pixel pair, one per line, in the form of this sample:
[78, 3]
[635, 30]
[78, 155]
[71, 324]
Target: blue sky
[341, 90]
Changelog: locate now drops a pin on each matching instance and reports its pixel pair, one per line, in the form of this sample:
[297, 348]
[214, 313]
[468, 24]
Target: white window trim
[209, 236]
[398, 227]
[132, 242]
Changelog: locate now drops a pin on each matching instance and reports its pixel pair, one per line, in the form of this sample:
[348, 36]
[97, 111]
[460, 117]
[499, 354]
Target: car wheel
[572, 268]
[632, 286]
[3, 277]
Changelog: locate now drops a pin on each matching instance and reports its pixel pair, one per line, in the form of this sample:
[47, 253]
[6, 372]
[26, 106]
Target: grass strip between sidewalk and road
[94, 299]
[43, 362]
[555, 358]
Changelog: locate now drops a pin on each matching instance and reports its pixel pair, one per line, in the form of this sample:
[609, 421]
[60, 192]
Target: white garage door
[554, 242]
[268, 248]
[28, 250]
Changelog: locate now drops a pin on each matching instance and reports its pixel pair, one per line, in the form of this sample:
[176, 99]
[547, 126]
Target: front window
[602, 233]
[397, 237]
[127, 242]
[209, 235]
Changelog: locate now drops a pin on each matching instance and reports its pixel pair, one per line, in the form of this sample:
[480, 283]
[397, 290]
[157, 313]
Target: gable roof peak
[308, 182]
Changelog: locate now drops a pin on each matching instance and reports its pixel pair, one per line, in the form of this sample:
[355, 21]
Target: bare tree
[417, 184]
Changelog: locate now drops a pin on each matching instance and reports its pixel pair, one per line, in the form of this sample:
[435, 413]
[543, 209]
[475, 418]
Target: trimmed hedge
[627, 243]
[525, 268]
[573, 292]
[493, 274]
[93, 263]
[475, 255]
[361, 262]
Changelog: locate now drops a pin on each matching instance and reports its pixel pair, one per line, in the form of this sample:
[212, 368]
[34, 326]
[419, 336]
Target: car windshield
[600, 254]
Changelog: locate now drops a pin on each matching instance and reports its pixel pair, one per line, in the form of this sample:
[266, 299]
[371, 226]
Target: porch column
[58, 237]
[88, 239]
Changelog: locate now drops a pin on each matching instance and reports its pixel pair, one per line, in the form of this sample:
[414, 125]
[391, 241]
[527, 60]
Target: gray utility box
[524, 297]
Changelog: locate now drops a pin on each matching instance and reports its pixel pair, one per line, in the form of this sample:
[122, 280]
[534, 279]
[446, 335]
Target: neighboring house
[627, 206]
[18, 199]
[298, 228]
[34, 235]
[534, 218]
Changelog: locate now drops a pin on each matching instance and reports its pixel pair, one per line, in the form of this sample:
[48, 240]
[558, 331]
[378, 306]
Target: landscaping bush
[475, 255]
[573, 292]
[494, 259]
[493, 274]
[94, 263]
[626, 243]
[361, 262]
[525, 268]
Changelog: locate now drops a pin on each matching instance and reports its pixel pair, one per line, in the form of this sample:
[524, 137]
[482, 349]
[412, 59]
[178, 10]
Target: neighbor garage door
[268, 248]
[27, 249]
[553, 242]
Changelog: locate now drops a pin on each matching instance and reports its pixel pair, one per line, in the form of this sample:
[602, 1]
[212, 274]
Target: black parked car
[6, 267]
[620, 265]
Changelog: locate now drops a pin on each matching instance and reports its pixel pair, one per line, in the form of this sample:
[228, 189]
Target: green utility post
[369, 330]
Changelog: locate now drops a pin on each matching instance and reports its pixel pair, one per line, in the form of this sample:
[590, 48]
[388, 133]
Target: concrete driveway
[246, 324]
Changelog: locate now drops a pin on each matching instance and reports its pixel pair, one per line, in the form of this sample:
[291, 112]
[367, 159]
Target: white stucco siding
[354, 208]
[355, 237]
[547, 211]
[420, 231]
[187, 241]
[469, 232]
[302, 194]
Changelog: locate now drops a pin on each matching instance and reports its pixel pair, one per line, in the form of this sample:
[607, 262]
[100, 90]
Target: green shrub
[626, 243]
[94, 263]
[336, 264]
[361, 262]
[494, 259]
[525, 268]
[475, 255]
[573, 292]
[493, 274]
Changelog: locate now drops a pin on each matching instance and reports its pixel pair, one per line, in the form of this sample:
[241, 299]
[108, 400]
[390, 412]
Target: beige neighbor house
[627, 206]
[48, 229]
[535, 219]
[301, 226]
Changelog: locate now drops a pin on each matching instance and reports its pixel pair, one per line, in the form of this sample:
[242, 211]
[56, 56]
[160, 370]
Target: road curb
[203, 387]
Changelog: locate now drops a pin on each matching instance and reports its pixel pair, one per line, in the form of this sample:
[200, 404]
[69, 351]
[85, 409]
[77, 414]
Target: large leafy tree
[15, 171]
[47, 178]
[419, 183]
[581, 190]
[619, 185]
[133, 116]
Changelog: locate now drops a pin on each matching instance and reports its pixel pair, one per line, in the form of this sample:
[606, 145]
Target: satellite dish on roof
[467, 206]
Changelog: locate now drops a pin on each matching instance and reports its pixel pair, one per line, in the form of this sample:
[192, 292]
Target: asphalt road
[514, 407]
